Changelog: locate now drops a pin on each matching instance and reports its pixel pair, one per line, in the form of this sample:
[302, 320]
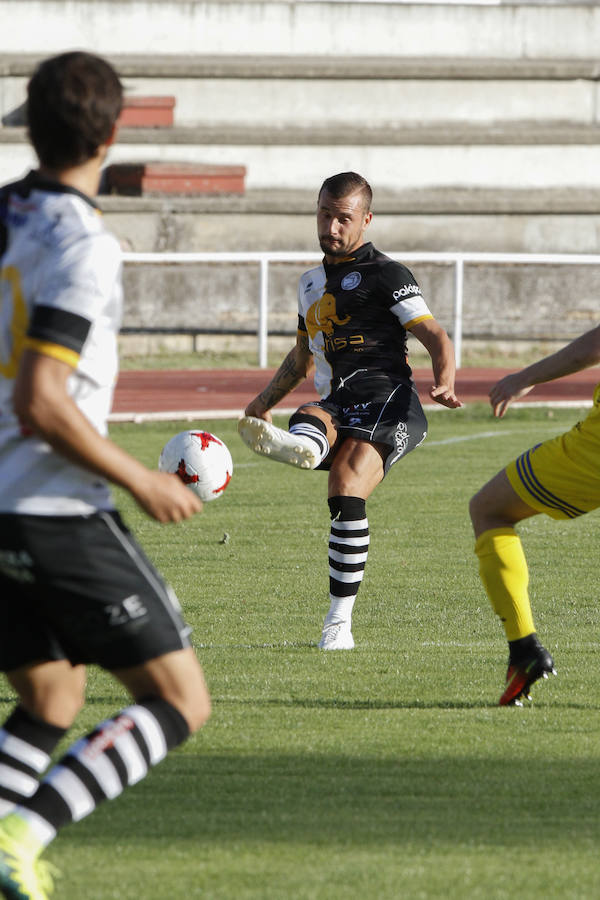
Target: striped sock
[313, 428]
[118, 753]
[348, 549]
[26, 744]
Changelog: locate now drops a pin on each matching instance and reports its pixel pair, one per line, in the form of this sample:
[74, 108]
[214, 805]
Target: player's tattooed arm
[296, 366]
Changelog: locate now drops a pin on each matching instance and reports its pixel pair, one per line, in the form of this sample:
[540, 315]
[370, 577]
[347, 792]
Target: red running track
[225, 392]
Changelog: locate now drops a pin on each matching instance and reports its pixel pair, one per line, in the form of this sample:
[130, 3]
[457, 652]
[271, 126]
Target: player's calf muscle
[175, 677]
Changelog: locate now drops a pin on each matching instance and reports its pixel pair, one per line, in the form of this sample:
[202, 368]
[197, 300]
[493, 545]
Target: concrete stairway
[477, 125]
[438, 138]
[521, 133]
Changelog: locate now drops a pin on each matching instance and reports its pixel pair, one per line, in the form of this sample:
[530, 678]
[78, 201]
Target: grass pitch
[385, 772]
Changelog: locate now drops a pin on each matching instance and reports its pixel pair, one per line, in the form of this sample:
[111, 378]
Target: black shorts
[377, 408]
[81, 588]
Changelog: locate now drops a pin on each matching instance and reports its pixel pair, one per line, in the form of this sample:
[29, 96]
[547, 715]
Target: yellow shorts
[561, 477]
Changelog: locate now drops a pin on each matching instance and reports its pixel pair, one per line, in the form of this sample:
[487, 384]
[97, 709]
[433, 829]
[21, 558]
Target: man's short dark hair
[73, 102]
[345, 183]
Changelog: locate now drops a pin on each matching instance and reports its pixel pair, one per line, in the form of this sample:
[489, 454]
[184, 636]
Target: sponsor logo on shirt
[322, 316]
[17, 564]
[354, 414]
[407, 290]
[107, 735]
[401, 437]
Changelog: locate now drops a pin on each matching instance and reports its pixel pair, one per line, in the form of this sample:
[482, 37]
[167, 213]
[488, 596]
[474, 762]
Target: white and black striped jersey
[60, 294]
[356, 313]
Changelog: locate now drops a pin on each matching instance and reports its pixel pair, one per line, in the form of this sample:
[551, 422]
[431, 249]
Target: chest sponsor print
[322, 316]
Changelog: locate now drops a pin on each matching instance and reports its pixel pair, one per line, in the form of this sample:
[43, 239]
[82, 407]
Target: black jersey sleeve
[58, 326]
[57, 333]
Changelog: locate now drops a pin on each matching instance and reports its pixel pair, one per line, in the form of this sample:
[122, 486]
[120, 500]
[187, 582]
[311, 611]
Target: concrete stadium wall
[447, 220]
[508, 302]
[350, 93]
[477, 124]
[287, 27]
[282, 162]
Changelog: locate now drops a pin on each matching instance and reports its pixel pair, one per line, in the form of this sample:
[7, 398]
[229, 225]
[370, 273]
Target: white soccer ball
[201, 460]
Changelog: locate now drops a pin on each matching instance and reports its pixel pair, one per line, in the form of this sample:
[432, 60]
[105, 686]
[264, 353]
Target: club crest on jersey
[351, 281]
[322, 316]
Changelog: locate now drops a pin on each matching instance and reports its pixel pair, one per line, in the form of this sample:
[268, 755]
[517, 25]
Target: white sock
[340, 610]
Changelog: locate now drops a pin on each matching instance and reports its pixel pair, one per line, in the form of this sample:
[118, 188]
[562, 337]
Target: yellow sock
[505, 577]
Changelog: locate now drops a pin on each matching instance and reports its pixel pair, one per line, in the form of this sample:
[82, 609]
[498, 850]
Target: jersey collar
[34, 181]
[358, 255]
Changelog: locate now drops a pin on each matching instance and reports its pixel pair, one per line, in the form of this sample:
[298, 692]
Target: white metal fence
[459, 260]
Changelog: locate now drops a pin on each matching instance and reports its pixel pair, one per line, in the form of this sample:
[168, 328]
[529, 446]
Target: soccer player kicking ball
[353, 314]
[75, 587]
[561, 478]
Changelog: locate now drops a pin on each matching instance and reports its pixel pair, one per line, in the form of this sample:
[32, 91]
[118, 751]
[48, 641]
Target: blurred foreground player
[75, 587]
[561, 478]
[354, 311]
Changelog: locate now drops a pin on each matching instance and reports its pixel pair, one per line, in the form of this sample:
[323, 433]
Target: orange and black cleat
[522, 674]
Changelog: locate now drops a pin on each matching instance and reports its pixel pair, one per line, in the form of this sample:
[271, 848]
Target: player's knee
[59, 708]
[474, 507]
[53, 692]
[199, 711]
[487, 511]
[195, 705]
[195, 709]
[305, 416]
[479, 511]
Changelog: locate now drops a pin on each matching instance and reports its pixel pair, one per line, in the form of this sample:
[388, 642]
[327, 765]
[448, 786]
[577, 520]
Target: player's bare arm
[439, 346]
[297, 365]
[580, 354]
[42, 403]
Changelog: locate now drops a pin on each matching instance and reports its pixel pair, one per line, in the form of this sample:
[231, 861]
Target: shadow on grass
[115, 704]
[336, 703]
[357, 801]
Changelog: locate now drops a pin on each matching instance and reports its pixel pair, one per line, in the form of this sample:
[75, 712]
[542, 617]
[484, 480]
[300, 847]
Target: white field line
[468, 437]
[191, 415]
[177, 415]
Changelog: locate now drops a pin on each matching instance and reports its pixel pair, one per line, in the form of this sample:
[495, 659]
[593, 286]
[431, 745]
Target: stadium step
[383, 92]
[147, 112]
[440, 218]
[344, 28]
[407, 122]
[536, 155]
[163, 178]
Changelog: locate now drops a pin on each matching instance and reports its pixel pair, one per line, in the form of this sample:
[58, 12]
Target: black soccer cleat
[522, 674]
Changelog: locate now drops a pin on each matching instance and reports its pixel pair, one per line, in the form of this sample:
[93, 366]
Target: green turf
[387, 772]
[473, 354]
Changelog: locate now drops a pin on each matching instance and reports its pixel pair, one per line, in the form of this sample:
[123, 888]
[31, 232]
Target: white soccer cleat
[268, 440]
[336, 636]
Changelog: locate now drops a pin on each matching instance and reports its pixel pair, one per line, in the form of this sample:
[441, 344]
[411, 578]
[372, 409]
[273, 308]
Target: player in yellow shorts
[560, 478]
